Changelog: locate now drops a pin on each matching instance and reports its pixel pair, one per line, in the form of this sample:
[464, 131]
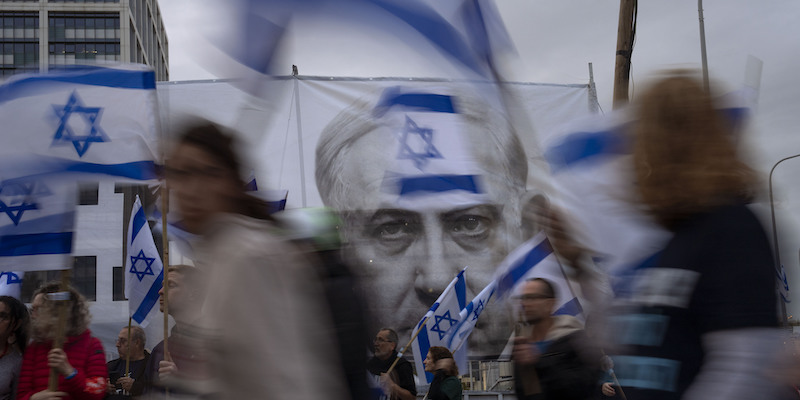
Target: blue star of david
[412, 132]
[439, 318]
[11, 278]
[478, 310]
[66, 132]
[148, 270]
[12, 205]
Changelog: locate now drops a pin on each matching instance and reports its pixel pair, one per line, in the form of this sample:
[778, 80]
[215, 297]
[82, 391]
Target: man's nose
[434, 266]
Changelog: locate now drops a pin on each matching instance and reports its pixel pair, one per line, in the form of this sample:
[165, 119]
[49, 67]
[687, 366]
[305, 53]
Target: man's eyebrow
[392, 213]
[494, 209]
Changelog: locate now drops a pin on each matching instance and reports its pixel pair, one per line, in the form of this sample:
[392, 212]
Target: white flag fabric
[466, 32]
[11, 284]
[443, 315]
[37, 218]
[93, 120]
[143, 268]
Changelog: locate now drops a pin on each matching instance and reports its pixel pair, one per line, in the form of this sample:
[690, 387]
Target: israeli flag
[532, 259]
[443, 314]
[434, 163]
[37, 218]
[143, 268]
[457, 336]
[89, 120]
[466, 32]
[11, 284]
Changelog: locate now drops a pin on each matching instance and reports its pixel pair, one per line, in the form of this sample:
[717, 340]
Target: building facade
[44, 35]
[47, 35]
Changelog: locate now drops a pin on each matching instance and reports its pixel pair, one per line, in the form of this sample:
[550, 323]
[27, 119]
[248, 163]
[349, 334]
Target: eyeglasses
[381, 340]
[532, 297]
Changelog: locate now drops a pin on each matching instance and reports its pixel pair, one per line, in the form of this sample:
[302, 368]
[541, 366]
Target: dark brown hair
[222, 147]
[440, 353]
[46, 318]
[19, 320]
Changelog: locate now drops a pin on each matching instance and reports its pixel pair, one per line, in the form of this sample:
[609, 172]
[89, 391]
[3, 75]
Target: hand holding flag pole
[61, 326]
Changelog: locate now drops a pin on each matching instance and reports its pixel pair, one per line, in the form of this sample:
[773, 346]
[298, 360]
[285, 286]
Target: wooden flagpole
[400, 353]
[61, 326]
[165, 264]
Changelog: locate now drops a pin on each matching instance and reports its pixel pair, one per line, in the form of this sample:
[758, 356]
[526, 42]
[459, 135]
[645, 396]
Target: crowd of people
[285, 316]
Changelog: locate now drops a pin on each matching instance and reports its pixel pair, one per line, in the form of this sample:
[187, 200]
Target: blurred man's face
[408, 248]
[178, 294]
[382, 347]
[202, 186]
[535, 304]
[123, 344]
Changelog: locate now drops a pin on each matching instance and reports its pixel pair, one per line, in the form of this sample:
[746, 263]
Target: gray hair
[137, 333]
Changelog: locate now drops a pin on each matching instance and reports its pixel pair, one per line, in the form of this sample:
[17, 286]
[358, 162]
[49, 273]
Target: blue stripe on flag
[417, 101]
[461, 290]
[114, 78]
[275, 206]
[572, 307]
[138, 221]
[139, 170]
[516, 272]
[583, 146]
[36, 243]
[439, 183]
[425, 345]
[149, 300]
[436, 29]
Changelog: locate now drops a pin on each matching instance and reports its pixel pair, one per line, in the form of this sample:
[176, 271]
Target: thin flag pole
[616, 382]
[128, 352]
[165, 263]
[301, 159]
[61, 327]
[421, 327]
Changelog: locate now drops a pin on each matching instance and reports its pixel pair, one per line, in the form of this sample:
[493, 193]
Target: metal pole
[775, 232]
[703, 44]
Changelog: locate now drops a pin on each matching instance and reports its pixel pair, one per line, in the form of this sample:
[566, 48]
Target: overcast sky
[556, 39]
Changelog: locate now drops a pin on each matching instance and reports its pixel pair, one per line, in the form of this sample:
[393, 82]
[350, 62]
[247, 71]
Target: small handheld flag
[143, 268]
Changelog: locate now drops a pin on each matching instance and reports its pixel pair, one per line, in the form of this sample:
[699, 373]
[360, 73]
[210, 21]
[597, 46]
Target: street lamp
[775, 231]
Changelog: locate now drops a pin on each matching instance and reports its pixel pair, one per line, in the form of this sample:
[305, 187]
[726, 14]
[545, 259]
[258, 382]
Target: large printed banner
[428, 177]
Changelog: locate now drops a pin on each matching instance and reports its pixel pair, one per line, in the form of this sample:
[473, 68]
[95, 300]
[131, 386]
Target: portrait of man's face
[423, 195]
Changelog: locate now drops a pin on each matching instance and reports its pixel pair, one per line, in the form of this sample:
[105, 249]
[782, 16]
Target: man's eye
[393, 230]
[470, 229]
[468, 223]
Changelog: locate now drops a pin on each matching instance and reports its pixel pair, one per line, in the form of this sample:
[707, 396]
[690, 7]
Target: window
[84, 276]
[77, 38]
[88, 193]
[19, 43]
[118, 284]
[84, 279]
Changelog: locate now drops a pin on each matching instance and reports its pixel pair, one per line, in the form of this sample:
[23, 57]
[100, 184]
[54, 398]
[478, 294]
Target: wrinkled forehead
[425, 160]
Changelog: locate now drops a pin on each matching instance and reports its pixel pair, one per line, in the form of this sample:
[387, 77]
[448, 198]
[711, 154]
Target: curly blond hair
[685, 157]
[44, 324]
